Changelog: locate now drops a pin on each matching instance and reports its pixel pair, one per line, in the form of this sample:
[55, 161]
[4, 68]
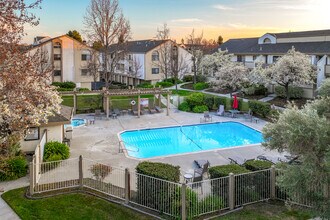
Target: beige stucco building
[67, 58]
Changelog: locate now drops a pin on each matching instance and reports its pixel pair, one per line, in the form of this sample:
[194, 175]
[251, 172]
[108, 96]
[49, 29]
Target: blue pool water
[76, 122]
[185, 139]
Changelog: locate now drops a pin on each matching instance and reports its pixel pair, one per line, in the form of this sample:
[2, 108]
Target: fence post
[183, 202]
[32, 177]
[231, 191]
[127, 186]
[81, 177]
[272, 182]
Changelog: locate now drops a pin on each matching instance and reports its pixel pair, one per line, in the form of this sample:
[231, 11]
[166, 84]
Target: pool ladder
[122, 149]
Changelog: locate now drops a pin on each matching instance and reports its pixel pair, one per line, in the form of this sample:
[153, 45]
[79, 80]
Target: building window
[254, 57]
[155, 70]
[130, 69]
[85, 57]
[57, 45]
[155, 56]
[32, 134]
[267, 41]
[84, 72]
[57, 73]
[130, 57]
[57, 56]
[275, 58]
[239, 58]
[120, 67]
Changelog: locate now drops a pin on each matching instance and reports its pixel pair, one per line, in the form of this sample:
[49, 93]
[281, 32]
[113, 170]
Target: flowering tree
[294, 68]
[26, 97]
[213, 62]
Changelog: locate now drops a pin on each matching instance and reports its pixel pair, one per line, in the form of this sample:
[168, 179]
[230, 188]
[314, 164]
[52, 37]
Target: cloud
[222, 7]
[186, 20]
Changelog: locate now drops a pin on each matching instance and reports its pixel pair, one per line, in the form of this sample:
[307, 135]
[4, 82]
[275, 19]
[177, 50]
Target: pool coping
[124, 150]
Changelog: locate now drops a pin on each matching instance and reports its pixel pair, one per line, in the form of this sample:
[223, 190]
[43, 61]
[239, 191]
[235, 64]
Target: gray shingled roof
[302, 34]
[251, 46]
[141, 46]
[64, 116]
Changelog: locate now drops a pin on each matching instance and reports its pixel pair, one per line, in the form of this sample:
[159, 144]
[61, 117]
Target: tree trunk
[287, 92]
[195, 72]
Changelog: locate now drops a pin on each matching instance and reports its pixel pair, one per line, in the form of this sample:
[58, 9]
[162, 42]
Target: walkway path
[6, 213]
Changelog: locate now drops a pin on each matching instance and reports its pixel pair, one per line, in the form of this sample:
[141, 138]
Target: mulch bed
[283, 102]
[251, 97]
[220, 91]
[188, 86]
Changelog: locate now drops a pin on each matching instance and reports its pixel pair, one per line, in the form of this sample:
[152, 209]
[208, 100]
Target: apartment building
[270, 46]
[66, 57]
[143, 61]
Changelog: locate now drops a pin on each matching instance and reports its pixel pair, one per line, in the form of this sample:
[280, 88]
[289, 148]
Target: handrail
[122, 149]
[190, 138]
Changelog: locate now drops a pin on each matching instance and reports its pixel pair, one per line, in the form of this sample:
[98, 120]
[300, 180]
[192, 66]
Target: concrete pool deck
[100, 142]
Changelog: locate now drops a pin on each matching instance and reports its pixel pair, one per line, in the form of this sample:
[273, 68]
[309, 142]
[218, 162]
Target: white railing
[39, 154]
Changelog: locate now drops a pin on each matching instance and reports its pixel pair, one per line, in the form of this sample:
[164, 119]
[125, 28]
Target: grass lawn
[181, 92]
[266, 211]
[69, 206]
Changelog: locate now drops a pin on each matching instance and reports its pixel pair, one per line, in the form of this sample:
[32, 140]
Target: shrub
[188, 78]
[225, 170]
[324, 90]
[159, 170]
[100, 171]
[184, 106]
[67, 85]
[200, 108]
[220, 101]
[260, 108]
[145, 85]
[82, 89]
[294, 92]
[172, 80]
[195, 99]
[200, 78]
[13, 168]
[209, 102]
[249, 90]
[56, 150]
[201, 86]
[255, 165]
[260, 90]
[164, 84]
[211, 203]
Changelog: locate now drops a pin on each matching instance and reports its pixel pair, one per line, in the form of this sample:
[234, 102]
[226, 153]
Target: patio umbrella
[235, 102]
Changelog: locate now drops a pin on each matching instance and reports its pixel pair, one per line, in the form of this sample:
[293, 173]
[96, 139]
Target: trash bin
[68, 132]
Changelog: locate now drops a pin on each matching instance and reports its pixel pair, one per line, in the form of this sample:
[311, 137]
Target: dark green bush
[83, 89]
[159, 170]
[184, 106]
[195, 99]
[172, 80]
[63, 89]
[225, 170]
[200, 109]
[200, 78]
[55, 150]
[212, 203]
[209, 102]
[188, 78]
[201, 86]
[294, 92]
[13, 168]
[260, 108]
[145, 85]
[255, 165]
[67, 85]
[164, 84]
[220, 101]
[260, 90]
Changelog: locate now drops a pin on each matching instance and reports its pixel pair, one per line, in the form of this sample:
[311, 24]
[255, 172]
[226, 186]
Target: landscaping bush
[145, 85]
[100, 171]
[188, 78]
[324, 90]
[220, 101]
[260, 90]
[225, 170]
[195, 99]
[211, 203]
[260, 108]
[13, 168]
[63, 89]
[184, 106]
[67, 85]
[209, 102]
[249, 90]
[294, 92]
[200, 78]
[164, 84]
[159, 170]
[83, 89]
[172, 80]
[201, 86]
[255, 165]
[55, 150]
[200, 109]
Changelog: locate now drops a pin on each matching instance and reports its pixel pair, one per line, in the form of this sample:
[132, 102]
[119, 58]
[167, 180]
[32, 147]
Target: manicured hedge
[13, 168]
[209, 102]
[184, 106]
[225, 170]
[255, 165]
[220, 101]
[67, 85]
[145, 85]
[55, 151]
[164, 84]
[159, 170]
[260, 108]
[294, 92]
[195, 99]
[200, 109]
[201, 86]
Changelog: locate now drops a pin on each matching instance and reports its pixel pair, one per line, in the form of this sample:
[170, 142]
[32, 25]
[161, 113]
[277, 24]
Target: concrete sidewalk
[6, 213]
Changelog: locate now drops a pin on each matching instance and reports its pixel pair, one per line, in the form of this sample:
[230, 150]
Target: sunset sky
[229, 18]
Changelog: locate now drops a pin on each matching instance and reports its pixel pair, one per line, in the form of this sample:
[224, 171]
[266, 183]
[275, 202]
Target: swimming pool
[77, 122]
[167, 141]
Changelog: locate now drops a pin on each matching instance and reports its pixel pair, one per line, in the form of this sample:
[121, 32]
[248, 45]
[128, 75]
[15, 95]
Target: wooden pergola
[121, 92]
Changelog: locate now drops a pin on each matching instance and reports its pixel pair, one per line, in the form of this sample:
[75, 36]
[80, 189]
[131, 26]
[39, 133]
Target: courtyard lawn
[69, 206]
[181, 92]
[266, 211]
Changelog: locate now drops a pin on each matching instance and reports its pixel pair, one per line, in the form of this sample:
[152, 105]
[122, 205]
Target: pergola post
[159, 100]
[168, 105]
[74, 103]
[139, 106]
[107, 106]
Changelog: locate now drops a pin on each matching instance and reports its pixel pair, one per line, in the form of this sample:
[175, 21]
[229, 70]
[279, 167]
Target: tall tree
[195, 43]
[220, 40]
[136, 67]
[26, 97]
[179, 67]
[165, 53]
[105, 23]
[94, 65]
[75, 35]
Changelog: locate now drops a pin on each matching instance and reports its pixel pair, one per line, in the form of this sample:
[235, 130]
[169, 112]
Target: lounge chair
[135, 110]
[248, 115]
[207, 116]
[199, 172]
[98, 114]
[238, 160]
[158, 109]
[221, 110]
[152, 110]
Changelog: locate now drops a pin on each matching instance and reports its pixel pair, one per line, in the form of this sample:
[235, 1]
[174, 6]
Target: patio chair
[270, 158]
[248, 115]
[207, 116]
[221, 110]
[152, 110]
[238, 160]
[98, 113]
[201, 163]
[158, 109]
[199, 172]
